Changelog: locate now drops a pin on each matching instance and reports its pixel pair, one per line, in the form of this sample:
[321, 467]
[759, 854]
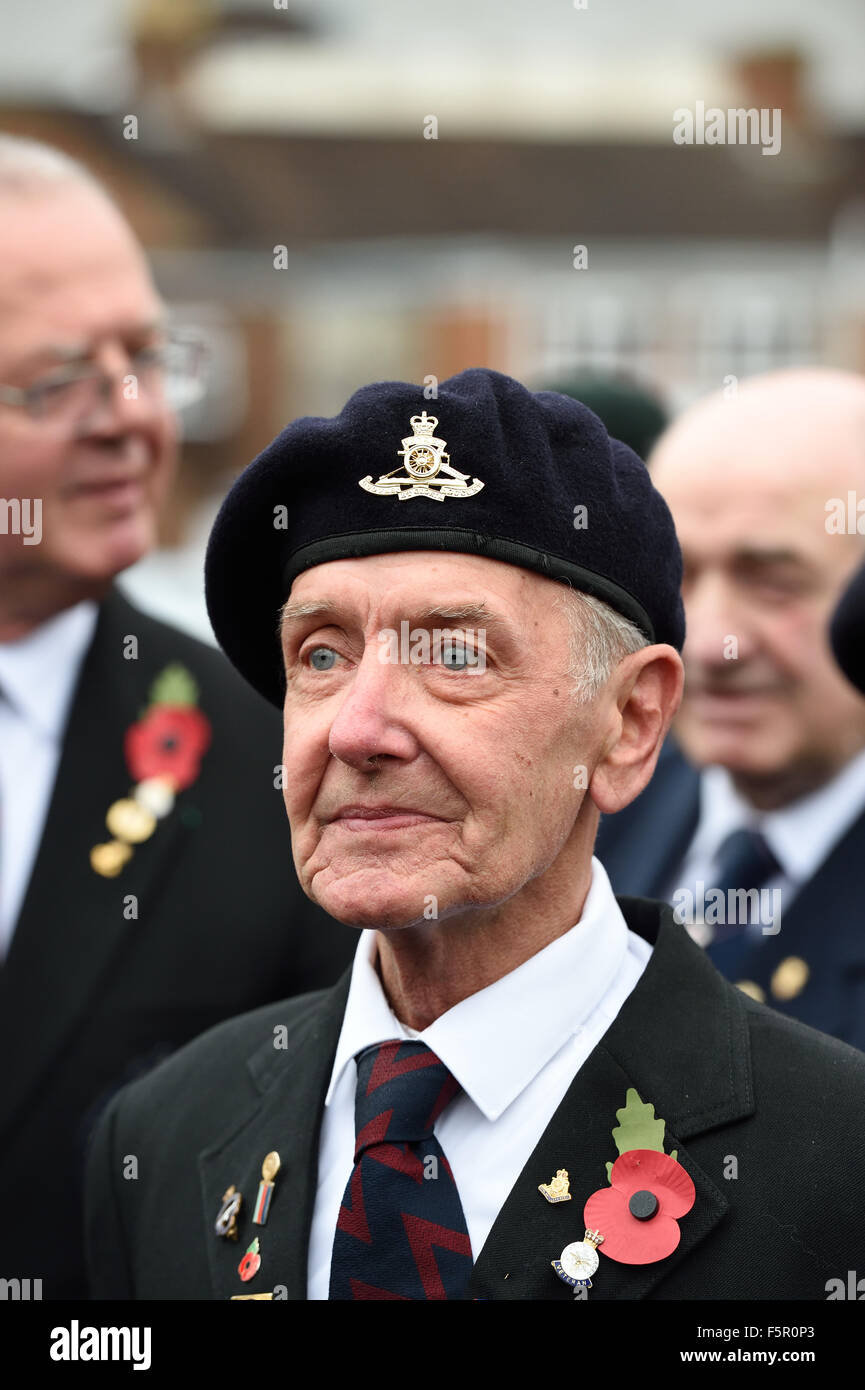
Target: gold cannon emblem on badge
[427, 470]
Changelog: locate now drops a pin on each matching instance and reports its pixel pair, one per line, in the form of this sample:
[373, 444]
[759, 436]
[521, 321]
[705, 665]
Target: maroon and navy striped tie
[401, 1232]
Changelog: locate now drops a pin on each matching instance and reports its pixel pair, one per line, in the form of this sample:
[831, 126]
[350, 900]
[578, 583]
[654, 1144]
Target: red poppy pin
[163, 753]
[251, 1262]
[635, 1220]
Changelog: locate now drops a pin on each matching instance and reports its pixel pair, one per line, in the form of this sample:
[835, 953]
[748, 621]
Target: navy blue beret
[847, 631]
[487, 468]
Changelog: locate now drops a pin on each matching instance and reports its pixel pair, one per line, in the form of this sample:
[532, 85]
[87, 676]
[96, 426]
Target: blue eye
[456, 656]
[322, 658]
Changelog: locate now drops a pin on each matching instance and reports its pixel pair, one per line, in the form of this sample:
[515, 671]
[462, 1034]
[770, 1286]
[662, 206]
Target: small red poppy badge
[251, 1262]
[168, 742]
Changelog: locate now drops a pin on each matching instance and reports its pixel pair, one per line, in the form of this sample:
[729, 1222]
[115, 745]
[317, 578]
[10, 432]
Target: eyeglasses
[173, 369]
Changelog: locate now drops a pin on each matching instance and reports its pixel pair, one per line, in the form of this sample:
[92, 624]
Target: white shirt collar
[38, 672]
[496, 1041]
[800, 835]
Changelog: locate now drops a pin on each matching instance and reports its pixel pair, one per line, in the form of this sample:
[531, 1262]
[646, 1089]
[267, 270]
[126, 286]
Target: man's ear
[645, 691]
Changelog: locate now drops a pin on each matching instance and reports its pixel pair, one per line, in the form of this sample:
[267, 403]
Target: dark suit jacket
[642, 849]
[731, 1079]
[89, 999]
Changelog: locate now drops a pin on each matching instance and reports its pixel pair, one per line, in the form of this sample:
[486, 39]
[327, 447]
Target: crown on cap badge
[426, 470]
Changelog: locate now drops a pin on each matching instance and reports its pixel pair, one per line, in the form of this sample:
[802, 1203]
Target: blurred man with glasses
[126, 924]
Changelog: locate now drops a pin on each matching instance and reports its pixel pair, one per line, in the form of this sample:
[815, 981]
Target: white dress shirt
[38, 674]
[514, 1047]
[801, 836]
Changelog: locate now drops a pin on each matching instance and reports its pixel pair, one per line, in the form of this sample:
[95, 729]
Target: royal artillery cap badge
[426, 471]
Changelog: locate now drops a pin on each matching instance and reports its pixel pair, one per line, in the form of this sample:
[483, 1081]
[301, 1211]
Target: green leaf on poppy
[174, 686]
[638, 1128]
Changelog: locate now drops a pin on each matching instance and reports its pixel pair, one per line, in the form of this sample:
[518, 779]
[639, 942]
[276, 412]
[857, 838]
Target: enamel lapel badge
[269, 1169]
[225, 1224]
[579, 1260]
[426, 471]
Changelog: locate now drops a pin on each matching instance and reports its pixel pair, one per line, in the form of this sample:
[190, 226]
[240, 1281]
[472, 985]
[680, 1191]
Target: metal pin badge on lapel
[557, 1189]
[269, 1169]
[129, 822]
[790, 977]
[225, 1224]
[579, 1260]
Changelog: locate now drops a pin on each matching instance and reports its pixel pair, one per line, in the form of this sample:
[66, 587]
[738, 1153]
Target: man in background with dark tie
[146, 883]
[761, 789]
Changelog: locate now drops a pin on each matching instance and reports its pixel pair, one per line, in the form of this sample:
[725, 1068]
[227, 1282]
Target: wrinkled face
[762, 576]
[422, 787]
[74, 286]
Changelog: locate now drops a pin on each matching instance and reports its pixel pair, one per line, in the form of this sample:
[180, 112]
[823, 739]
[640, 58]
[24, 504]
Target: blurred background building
[339, 193]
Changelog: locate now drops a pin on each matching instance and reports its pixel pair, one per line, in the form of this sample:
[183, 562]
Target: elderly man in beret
[524, 1088]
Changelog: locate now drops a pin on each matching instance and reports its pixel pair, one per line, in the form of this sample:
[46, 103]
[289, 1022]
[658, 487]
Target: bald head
[789, 428]
[29, 167]
[751, 481]
[57, 221]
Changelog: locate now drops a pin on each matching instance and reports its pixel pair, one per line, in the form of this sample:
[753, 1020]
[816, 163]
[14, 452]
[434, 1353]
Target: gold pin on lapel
[130, 824]
[247, 1297]
[129, 821]
[790, 977]
[752, 989]
[269, 1169]
[557, 1189]
[108, 859]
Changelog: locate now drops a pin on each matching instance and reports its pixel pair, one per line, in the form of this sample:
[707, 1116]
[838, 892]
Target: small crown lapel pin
[557, 1189]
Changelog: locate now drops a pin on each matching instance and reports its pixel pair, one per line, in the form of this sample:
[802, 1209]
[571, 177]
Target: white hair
[599, 638]
[29, 166]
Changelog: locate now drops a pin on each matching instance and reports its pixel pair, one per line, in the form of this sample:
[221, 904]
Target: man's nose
[371, 720]
[719, 627]
[128, 399]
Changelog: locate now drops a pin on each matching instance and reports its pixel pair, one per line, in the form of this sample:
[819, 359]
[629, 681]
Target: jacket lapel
[692, 1089]
[72, 925]
[293, 1082]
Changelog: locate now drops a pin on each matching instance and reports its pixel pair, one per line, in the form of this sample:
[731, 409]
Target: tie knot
[745, 861]
[402, 1088]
